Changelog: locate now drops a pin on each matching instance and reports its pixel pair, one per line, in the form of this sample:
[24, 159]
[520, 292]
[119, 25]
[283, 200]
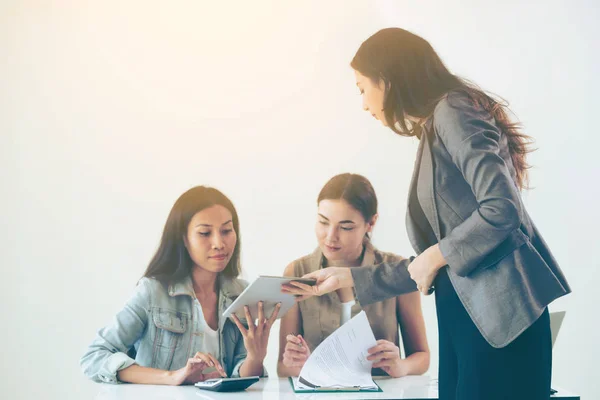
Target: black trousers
[471, 369]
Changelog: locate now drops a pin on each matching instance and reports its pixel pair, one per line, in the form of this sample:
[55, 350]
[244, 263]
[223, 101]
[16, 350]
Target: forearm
[101, 365]
[145, 375]
[435, 257]
[252, 367]
[108, 352]
[382, 281]
[417, 363]
[283, 371]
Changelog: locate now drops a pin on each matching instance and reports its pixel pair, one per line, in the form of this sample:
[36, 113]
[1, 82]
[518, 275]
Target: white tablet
[268, 290]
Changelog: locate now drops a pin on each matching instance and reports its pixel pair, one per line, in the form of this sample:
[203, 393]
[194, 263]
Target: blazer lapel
[425, 187]
[412, 227]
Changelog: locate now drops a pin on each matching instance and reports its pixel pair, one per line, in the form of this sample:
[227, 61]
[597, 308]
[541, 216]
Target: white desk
[410, 387]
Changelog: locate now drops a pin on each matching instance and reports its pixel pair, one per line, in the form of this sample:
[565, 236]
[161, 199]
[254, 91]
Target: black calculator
[227, 384]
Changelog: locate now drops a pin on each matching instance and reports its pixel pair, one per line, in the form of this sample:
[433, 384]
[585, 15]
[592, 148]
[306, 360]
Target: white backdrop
[110, 110]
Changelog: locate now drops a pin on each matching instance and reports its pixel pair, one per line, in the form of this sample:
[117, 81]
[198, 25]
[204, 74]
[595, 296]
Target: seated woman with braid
[346, 216]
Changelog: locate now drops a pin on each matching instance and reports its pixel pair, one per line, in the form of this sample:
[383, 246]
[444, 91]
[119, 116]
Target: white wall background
[110, 110]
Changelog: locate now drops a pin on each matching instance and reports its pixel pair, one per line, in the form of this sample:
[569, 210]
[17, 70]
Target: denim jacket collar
[182, 288]
[227, 288]
[228, 292]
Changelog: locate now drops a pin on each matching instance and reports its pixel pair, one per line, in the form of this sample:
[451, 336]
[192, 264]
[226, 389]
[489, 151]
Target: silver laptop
[556, 319]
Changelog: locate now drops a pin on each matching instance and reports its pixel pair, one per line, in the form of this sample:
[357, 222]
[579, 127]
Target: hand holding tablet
[268, 290]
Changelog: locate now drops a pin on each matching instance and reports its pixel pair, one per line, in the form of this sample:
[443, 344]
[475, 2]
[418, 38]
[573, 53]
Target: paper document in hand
[341, 359]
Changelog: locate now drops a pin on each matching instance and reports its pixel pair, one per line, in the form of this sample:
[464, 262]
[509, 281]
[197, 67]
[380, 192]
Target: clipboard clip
[338, 388]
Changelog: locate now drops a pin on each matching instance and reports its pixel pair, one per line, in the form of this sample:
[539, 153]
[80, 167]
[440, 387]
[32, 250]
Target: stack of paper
[340, 362]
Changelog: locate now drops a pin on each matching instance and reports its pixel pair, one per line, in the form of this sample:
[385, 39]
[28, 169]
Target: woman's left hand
[256, 336]
[425, 267]
[386, 355]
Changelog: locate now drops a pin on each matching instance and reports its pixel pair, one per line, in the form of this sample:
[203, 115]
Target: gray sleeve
[472, 140]
[108, 352]
[382, 281]
[239, 357]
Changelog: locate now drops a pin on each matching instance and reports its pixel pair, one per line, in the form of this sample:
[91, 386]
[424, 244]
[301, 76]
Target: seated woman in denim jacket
[171, 325]
[347, 212]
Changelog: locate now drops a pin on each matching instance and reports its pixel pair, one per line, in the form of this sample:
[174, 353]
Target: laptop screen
[556, 319]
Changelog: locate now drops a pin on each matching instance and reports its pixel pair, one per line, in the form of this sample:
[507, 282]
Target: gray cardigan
[498, 263]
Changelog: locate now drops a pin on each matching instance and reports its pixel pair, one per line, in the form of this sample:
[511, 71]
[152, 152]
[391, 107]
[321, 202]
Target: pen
[299, 337]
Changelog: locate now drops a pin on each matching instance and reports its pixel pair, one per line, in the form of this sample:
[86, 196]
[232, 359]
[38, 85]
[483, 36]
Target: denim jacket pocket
[169, 330]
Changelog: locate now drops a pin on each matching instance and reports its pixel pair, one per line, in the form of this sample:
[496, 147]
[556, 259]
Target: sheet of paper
[341, 359]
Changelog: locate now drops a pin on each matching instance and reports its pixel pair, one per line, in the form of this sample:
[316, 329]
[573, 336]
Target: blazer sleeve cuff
[454, 260]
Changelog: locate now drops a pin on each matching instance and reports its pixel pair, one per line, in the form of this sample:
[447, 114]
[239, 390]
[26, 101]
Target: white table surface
[410, 387]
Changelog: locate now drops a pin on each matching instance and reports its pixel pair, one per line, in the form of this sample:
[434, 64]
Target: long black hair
[416, 79]
[172, 262]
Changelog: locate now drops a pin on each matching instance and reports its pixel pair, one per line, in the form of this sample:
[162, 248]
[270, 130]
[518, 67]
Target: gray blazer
[498, 263]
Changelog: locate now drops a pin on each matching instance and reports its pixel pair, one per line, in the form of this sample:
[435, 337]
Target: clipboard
[334, 389]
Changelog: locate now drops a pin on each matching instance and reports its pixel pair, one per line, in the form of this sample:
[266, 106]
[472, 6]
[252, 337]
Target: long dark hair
[355, 189]
[172, 262]
[416, 79]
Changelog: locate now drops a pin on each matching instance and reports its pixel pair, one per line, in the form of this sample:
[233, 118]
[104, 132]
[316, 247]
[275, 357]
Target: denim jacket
[158, 329]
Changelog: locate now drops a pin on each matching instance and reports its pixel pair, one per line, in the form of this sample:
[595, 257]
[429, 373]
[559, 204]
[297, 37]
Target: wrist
[348, 279]
[252, 366]
[345, 295]
[169, 378]
[400, 370]
[437, 257]
[253, 360]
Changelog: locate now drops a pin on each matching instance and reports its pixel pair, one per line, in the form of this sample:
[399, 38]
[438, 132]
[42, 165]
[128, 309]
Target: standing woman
[492, 272]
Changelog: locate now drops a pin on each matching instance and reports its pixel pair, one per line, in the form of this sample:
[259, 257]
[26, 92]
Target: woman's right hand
[296, 351]
[192, 372]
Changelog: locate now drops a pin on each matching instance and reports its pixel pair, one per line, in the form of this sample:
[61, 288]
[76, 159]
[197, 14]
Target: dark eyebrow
[346, 221]
[210, 226]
